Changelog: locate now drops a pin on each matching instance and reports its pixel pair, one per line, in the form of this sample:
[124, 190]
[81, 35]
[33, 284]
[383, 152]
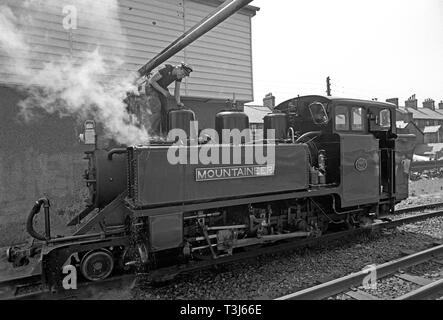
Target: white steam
[10, 37]
[88, 85]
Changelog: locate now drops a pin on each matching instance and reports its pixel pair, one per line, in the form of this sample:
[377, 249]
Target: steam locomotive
[338, 162]
[331, 163]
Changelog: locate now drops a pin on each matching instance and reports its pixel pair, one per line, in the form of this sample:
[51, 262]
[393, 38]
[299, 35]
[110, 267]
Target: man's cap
[186, 67]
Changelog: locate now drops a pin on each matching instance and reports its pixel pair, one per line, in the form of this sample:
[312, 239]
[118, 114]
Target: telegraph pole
[328, 86]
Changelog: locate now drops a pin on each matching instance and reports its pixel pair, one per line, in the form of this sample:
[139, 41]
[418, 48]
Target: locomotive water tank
[231, 120]
[277, 122]
[181, 119]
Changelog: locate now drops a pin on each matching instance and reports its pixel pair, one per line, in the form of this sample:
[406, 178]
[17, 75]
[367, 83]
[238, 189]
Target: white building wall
[221, 59]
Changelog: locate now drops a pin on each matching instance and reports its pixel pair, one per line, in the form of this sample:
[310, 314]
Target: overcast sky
[370, 48]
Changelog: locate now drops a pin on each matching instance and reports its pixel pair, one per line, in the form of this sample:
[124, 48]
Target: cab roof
[337, 100]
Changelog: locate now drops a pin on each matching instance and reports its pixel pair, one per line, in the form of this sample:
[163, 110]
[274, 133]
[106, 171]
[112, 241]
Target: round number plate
[361, 164]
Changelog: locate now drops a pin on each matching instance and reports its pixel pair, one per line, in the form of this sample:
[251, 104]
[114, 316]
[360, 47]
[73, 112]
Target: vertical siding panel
[137, 31]
[45, 37]
[150, 26]
[224, 50]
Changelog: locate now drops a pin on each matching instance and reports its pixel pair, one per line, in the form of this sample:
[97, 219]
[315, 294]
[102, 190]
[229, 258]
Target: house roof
[431, 129]
[428, 148]
[404, 125]
[423, 113]
[402, 110]
[256, 113]
[416, 157]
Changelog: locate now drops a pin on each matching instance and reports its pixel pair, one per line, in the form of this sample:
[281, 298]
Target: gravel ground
[391, 288]
[431, 227]
[430, 270]
[276, 275]
[424, 191]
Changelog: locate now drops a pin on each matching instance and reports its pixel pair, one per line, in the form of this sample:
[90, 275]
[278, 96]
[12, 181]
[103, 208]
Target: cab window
[318, 113]
[380, 119]
[357, 119]
[341, 118]
[385, 119]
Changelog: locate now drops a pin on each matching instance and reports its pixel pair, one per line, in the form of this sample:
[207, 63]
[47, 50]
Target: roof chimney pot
[393, 100]
[269, 101]
[411, 102]
[429, 104]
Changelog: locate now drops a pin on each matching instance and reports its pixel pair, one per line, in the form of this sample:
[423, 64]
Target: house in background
[432, 134]
[256, 115]
[428, 119]
[426, 123]
[433, 151]
[411, 127]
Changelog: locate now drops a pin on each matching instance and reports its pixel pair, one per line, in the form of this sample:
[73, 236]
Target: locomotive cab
[366, 159]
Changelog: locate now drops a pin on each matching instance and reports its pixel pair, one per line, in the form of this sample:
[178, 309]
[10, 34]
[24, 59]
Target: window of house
[341, 118]
[357, 119]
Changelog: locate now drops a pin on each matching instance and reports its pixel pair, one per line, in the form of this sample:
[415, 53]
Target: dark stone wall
[39, 158]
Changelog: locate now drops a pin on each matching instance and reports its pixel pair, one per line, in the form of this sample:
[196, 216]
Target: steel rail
[425, 292]
[410, 219]
[10, 287]
[418, 208]
[340, 285]
[85, 290]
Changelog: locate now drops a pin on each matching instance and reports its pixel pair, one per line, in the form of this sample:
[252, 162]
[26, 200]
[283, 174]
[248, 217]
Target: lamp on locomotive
[89, 136]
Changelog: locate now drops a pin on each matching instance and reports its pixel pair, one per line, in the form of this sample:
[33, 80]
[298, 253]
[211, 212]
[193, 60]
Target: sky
[370, 48]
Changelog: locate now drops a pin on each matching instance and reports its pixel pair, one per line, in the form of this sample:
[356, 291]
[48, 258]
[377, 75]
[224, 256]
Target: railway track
[346, 285]
[418, 208]
[31, 288]
[17, 288]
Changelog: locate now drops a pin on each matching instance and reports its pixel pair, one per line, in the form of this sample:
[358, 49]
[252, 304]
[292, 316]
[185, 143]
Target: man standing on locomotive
[157, 94]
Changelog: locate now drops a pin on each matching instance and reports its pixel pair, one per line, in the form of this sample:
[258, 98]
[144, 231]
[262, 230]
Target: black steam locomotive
[336, 162]
[331, 163]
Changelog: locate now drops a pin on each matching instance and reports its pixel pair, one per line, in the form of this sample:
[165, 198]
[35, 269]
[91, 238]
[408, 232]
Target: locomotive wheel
[97, 265]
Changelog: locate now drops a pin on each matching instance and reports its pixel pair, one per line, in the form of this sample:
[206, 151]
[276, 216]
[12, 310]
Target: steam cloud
[92, 84]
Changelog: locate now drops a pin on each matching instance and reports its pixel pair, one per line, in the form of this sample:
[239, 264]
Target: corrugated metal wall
[222, 58]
